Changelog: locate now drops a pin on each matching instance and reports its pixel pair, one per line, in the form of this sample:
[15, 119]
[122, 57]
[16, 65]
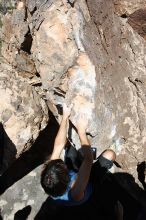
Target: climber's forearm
[60, 139]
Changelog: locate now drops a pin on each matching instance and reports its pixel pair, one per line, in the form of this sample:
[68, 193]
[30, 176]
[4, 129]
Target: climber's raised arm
[61, 137]
[79, 187]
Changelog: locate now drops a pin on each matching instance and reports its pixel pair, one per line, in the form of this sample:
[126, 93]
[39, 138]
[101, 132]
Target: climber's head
[55, 178]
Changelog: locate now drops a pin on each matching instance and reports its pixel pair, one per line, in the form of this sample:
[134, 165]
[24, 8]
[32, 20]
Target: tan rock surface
[89, 53]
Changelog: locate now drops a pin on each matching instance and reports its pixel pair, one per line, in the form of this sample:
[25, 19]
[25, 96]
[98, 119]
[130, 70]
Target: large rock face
[23, 114]
[121, 95]
[89, 53]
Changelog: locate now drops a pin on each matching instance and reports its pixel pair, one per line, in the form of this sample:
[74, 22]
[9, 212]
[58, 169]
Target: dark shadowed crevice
[27, 43]
[7, 150]
[1, 144]
[71, 3]
[34, 10]
[141, 169]
[37, 74]
[124, 16]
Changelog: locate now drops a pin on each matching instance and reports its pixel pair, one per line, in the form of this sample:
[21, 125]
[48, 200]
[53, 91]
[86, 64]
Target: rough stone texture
[5, 6]
[54, 49]
[89, 53]
[127, 7]
[138, 21]
[23, 113]
[121, 94]
[30, 196]
[20, 184]
[89, 56]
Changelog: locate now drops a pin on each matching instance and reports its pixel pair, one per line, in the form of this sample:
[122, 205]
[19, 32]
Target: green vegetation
[1, 24]
[0, 46]
[6, 7]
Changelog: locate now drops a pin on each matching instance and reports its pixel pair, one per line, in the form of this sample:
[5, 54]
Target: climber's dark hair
[55, 178]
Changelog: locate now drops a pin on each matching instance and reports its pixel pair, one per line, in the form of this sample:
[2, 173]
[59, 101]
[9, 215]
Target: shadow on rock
[50, 210]
[141, 169]
[23, 213]
[7, 150]
[118, 187]
[131, 196]
[32, 158]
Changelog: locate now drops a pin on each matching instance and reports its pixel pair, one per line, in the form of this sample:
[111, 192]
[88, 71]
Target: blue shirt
[66, 198]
